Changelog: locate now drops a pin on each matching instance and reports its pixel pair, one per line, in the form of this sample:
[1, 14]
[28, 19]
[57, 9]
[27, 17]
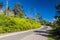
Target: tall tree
[38, 16]
[1, 5]
[8, 10]
[57, 17]
[56, 24]
[6, 7]
[31, 11]
[18, 10]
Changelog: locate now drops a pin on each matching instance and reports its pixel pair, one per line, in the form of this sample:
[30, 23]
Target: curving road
[37, 34]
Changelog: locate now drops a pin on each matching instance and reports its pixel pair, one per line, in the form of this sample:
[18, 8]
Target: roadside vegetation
[55, 33]
[14, 20]
[14, 24]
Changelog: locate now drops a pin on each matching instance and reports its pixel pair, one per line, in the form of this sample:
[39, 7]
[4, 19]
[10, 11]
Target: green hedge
[13, 24]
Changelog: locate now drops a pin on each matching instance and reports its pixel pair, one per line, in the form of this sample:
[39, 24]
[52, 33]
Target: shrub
[12, 24]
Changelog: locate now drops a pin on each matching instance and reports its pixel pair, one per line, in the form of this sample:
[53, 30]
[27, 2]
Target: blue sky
[45, 7]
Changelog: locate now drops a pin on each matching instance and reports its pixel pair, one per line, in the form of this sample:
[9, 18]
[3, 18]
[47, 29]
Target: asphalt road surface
[38, 34]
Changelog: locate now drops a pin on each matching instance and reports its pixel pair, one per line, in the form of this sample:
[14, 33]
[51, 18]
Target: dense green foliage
[57, 17]
[13, 24]
[56, 25]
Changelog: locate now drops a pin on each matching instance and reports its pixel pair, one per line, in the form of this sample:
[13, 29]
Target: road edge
[15, 33]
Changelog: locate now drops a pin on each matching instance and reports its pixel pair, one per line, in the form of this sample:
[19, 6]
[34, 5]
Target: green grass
[50, 38]
[14, 24]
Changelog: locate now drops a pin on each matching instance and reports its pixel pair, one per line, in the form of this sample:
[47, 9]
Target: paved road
[38, 34]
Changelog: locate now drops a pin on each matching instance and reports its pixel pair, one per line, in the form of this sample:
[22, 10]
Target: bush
[13, 24]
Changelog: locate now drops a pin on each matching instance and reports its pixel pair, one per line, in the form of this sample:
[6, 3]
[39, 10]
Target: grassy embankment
[14, 24]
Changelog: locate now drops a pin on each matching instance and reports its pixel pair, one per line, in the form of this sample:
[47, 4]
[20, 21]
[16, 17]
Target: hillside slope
[13, 24]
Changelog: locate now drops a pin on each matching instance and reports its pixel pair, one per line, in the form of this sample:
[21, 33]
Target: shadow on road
[43, 33]
[48, 33]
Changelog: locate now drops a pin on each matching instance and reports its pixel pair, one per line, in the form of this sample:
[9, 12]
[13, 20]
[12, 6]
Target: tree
[57, 17]
[56, 24]
[1, 5]
[8, 11]
[31, 11]
[18, 10]
[38, 16]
